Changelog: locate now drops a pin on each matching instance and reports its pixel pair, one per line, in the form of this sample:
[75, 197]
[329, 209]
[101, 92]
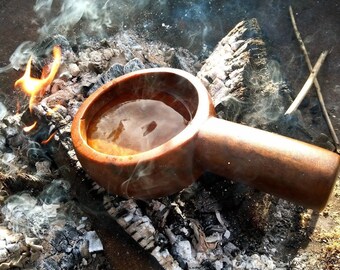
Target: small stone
[94, 242]
[74, 69]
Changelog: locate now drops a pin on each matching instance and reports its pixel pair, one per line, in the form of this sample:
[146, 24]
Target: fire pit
[53, 215]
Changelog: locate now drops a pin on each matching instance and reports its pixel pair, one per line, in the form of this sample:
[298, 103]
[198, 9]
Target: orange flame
[31, 127]
[33, 86]
[49, 138]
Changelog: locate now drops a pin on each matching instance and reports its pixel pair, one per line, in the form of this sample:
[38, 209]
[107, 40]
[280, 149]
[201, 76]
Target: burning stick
[303, 92]
[316, 83]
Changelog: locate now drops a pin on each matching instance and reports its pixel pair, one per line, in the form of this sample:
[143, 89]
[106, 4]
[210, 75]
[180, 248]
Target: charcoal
[133, 65]
[114, 71]
[49, 264]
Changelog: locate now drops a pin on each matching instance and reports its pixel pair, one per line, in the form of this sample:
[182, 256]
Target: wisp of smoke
[31, 215]
[269, 103]
[89, 16]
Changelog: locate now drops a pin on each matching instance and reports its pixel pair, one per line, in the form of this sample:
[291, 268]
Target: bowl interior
[174, 90]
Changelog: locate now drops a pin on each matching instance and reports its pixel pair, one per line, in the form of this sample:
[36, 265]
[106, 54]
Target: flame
[49, 138]
[33, 86]
[31, 127]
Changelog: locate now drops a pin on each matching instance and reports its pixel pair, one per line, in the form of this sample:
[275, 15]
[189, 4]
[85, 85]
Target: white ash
[94, 242]
[130, 217]
[3, 111]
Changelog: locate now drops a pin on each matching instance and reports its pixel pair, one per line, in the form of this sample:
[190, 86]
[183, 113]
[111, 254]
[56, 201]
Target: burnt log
[247, 86]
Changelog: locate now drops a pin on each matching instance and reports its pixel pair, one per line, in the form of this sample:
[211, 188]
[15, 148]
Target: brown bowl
[288, 168]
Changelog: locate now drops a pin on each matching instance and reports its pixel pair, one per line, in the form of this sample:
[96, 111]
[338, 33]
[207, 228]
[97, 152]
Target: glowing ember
[31, 127]
[53, 110]
[33, 86]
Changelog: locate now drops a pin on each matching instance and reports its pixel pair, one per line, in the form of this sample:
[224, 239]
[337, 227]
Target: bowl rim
[188, 133]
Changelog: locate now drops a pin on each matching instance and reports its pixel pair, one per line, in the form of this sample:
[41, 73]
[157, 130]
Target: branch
[316, 83]
[303, 92]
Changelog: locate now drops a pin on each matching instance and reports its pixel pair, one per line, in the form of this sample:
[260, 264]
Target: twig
[316, 83]
[303, 92]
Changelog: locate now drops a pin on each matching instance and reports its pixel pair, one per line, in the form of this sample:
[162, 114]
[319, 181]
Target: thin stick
[303, 92]
[316, 83]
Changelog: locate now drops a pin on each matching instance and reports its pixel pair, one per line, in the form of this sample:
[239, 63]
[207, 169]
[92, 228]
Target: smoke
[268, 105]
[34, 215]
[142, 172]
[84, 17]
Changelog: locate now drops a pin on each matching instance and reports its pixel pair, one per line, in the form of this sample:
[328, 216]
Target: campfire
[55, 216]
